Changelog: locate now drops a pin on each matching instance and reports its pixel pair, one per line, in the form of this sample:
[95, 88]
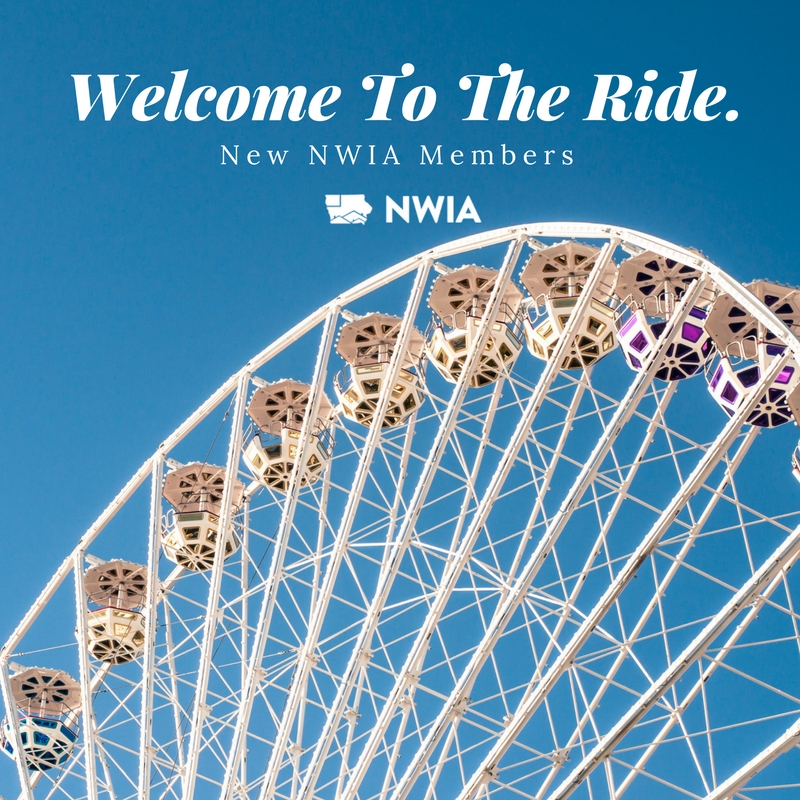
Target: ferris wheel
[513, 518]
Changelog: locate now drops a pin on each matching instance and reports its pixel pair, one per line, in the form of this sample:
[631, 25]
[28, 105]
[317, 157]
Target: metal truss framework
[567, 583]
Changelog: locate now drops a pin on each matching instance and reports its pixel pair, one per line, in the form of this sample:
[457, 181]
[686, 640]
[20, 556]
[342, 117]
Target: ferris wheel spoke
[200, 708]
[471, 495]
[511, 600]
[121, 717]
[543, 485]
[596, 546]
[321, 609]
[661, 587]
[151, 603]
[771, 574]
[172, 692]
[254, 670]
[108, 783]
[447, 597]
[409, 673]
[502, 585]
[398, 505]
[648, 544]
[735, 783]
[445, 429]
[87, 709]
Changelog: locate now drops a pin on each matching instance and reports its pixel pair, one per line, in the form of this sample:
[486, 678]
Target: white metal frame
[390, 702]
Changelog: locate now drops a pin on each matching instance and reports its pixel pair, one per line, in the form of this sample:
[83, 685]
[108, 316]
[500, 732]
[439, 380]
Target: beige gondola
[459, 300]
[278, 411]
[555, 277]
[116, 630]
[192, 533]
[367, 345]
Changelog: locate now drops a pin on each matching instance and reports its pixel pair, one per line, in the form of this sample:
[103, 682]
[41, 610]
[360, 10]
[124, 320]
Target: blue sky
[138, 273]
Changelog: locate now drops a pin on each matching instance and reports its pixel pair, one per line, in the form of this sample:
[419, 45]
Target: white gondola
[730, 387]
[555, 277]
[652, 286]
[278, 411]
[367, 345]
[47, 701]
[459, 300]
[191, 536]
[46, 742]
[685, 356]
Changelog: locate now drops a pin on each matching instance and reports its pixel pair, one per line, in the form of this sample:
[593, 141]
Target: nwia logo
[347, 209]
[353, 209]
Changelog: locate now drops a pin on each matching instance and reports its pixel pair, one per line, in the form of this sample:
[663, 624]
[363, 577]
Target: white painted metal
[417, 652]
[564, 661]
[212, 615]
[254, 673]
[565, 658]
[468, 515]
[148, 658]
[728, 789]
[320, 607]
[780, 560]
[87, 712]
[652, 606]
[518, 591]
[388, 573]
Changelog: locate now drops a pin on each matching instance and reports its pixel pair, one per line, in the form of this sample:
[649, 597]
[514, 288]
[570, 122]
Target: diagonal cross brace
[456, 565]
[563, 663]
[780, 560]
[398, 549]
[506, 609]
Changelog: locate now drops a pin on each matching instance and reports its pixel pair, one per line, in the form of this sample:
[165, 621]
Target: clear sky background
[138, 273]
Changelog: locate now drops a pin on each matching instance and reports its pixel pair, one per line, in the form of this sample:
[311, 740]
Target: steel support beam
[407, 675]
[780, 560]
[398, 549]
[254, 673]
[151, 621]
[305, 658]
[677, 711]
[199, 711]
[421, 757]
[563, 663]
[405, 784]
[506, 609]
[82, 635]
[653, 603]
[785, 742]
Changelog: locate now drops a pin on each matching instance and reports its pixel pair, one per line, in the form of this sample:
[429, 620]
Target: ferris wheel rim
[330, 311]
